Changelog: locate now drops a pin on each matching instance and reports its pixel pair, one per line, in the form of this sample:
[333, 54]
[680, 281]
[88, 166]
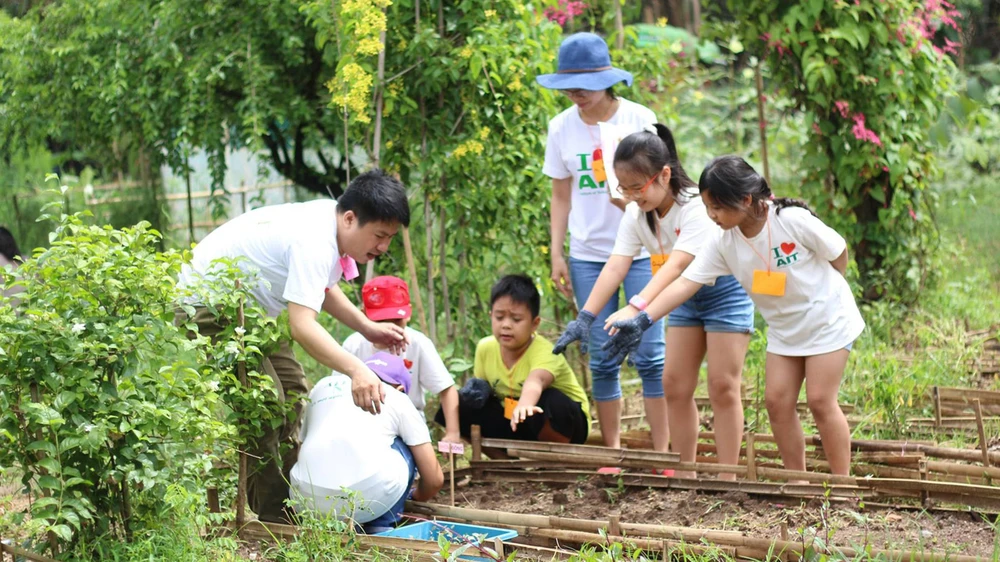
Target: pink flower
[842, 107]
[816, 129]
[863, 133]
[913, 214]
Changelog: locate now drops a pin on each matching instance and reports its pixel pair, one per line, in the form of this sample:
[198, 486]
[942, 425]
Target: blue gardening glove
[577, 330]
[475, 393]
[628, 337]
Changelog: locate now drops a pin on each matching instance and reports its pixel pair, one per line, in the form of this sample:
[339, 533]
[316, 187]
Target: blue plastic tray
[429, 531]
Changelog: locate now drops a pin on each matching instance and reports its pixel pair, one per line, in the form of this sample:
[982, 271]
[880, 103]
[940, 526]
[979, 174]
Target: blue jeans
[723, 307]
[648, 358]
[390, 518]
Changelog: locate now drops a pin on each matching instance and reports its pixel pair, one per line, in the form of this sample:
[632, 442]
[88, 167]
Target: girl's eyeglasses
[631, 193]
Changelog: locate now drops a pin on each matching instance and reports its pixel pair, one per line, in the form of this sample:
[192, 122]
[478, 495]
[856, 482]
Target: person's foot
[663, 472]
[609, 470]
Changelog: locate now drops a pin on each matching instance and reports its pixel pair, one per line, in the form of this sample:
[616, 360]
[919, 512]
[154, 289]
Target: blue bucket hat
[585, 64]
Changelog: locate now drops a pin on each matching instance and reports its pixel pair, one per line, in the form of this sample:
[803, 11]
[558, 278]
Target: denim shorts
[723, 307]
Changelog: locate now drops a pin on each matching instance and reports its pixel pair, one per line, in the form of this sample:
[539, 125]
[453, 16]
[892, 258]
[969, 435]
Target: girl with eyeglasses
[582, 204]
[666, 217]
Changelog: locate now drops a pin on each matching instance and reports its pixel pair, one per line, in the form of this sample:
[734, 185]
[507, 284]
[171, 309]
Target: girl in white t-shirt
[666, 217]
[792, 266]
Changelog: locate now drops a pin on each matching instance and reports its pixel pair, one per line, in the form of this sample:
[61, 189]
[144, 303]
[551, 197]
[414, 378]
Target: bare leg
[609, 415]
[726, 354]
[685, 349]
[656, 416]
[784, 376]
[823, 376]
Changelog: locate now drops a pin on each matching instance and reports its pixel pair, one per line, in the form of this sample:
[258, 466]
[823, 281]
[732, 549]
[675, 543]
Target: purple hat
[391, 369]
[584, 63]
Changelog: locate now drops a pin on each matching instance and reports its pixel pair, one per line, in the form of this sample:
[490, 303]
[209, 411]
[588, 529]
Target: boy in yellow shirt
[521, 390]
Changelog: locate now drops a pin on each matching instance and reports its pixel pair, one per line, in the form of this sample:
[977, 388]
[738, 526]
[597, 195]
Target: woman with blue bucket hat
[577, 159]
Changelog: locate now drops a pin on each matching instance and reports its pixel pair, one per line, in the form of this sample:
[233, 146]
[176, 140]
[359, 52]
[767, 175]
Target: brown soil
[839, 524]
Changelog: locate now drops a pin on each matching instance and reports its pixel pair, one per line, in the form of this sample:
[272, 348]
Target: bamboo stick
[411, 265]
[745, 546]
[983, 443]
[583, 450]
[241, 486]
[16, 551]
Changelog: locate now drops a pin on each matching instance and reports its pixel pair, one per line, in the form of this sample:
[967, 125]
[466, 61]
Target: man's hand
[560, 276]
[386, 334]
[368, 392]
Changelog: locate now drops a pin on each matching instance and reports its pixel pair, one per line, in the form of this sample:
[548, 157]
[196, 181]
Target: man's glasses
[632, 193]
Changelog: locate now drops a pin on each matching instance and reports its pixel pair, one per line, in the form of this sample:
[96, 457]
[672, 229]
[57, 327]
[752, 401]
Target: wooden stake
[411, 265]
[751, 457]
[477, 443]
[213, 500]
[937, 406]
[241, 486]
[614, 526]
[983, 444]
[762, 121]
[451, 470]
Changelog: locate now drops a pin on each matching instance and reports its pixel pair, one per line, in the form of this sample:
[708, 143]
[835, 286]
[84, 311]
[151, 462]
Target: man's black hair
[520, 288]
[8, 246]
[375, 196]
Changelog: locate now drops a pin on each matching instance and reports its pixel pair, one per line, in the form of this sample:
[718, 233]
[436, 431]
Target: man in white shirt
[357, 466]
[302, 250]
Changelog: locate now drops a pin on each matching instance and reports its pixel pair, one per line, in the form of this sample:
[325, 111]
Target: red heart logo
[408, 363]
[677, 231]
[788, 247]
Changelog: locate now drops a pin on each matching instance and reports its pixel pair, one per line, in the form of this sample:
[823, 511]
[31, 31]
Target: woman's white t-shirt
[817, 314]
[593, 219]
[684, 228]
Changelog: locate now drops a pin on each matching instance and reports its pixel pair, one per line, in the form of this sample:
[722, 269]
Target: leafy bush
[101, 395]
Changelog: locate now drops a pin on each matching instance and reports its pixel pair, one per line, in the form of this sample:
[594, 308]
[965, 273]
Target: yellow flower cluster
[517, 109]
[351, 89]
[368, 46]
[515, 84]
[472, 146]
[466, 52]
[491, 14]
[662, 22]
[484, 133]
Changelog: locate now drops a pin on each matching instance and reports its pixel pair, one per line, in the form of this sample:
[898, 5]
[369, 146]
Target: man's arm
[431, 476]
[387, 334]
[320, 345]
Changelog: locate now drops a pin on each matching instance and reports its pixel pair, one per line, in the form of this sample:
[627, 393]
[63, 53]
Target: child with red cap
[387, 299]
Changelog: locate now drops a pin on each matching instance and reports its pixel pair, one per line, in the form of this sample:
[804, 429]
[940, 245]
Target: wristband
[638, 302]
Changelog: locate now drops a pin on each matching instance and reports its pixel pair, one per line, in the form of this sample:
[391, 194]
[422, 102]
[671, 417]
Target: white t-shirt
[684, 228]
[293, 246]
[817, 313]
[425, 365]
[593, 220]
[344, 447]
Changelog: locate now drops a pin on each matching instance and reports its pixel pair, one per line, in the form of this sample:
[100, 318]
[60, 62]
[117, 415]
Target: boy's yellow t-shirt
[508, 382]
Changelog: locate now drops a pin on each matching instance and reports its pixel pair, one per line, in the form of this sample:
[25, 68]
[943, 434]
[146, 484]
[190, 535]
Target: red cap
[386, 298]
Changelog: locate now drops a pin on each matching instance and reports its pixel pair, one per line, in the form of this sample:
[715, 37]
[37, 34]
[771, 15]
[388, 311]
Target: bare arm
[336, 304]
[667, 274]
[607, 283]
[431, 476]
[673, 296]
[449, 405]
[558, 226]
[320, 345]
[537, 381]
[840, 264]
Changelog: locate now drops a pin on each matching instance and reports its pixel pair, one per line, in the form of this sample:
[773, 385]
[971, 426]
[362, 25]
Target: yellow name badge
[600, 174]
[656, 261]
[508, 407]
[770, 283]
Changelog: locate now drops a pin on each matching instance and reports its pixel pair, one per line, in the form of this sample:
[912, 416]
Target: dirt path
[839, 524]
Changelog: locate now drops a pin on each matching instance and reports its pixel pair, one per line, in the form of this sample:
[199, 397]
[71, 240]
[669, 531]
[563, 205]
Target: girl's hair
[611, 92]
[648, 153]
[8, 246]
[729, 179]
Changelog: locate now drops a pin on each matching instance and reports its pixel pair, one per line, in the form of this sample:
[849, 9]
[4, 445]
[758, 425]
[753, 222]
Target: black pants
[564, 415]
